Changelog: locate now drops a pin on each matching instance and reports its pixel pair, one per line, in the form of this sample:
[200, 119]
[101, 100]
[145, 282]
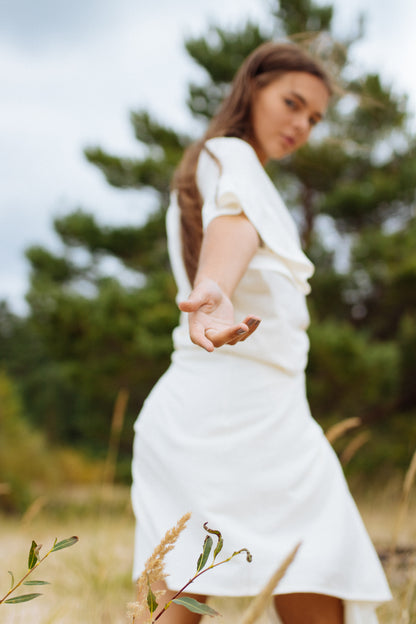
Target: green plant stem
[19, 583]
[213, 565]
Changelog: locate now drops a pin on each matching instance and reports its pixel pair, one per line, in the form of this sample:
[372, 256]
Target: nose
[302, 125]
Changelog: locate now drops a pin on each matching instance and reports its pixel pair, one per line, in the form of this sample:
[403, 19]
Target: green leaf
[33, 555]
[151, 599]
[12, 577]
[66, 543]
[218, 547]
[23, 598]
[36, 583]
[249, 556]
[220, 542]
[212, 531]
[196, 607]
[203, 557]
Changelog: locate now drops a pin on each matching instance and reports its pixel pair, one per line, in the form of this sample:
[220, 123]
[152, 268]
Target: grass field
[91, 582]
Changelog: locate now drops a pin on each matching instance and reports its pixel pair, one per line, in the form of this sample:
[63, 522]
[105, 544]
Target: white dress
[229, 436]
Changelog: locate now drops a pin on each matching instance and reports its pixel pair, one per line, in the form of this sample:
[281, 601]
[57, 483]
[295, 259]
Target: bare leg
[309, 609]
[175, 614]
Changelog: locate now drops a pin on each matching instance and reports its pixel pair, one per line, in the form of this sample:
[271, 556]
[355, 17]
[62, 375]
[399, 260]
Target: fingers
[191, 305]
[232, 335]
[198, 336]
[210, 338]
[204, 343]
[252, 323]
[207, 294]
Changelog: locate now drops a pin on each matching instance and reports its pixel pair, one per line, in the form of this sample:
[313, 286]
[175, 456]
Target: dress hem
[310, 589]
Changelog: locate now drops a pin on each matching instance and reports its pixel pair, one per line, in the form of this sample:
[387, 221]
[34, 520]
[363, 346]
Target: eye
[291, 103]
[313, 121]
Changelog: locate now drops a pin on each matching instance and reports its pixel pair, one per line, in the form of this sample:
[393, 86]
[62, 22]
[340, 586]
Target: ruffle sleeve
[234, 181]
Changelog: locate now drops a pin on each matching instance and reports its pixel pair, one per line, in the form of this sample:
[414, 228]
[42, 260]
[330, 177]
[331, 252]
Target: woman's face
[284, 113]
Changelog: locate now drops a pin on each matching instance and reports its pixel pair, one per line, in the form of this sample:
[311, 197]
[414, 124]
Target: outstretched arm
[228, 245]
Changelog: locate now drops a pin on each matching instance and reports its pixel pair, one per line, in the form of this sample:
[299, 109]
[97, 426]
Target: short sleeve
[214, 205]
[232, 180]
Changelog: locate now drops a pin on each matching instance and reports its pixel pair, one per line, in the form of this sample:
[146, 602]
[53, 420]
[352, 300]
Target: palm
[211, 318]
[217, 314]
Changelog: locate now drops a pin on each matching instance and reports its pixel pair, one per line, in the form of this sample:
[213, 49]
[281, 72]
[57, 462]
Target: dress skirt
[232, 441]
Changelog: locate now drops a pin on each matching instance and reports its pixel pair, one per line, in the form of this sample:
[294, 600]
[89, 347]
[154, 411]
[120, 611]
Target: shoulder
[230, 159]
[223, 147]
[229, 156]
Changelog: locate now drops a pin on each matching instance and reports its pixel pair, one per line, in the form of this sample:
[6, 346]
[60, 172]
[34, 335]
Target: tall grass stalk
[354, 446]
[338, 430]
[404, 501]
[115, 433]
[154, 571]
[260, 602]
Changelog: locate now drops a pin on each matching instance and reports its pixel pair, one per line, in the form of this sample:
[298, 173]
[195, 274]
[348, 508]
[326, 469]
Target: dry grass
[380, 512]
[91, 584]
[154, 571]
[340, 428]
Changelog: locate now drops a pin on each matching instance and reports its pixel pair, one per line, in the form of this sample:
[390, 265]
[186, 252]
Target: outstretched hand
[211, 317]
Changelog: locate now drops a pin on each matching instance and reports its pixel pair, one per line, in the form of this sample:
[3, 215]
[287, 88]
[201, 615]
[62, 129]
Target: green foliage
[158, 137]
[57, 269]
[121, 337]
[407, 347]
[33, 555]
[66, 543]
[220, 54]
[299, 16]
[164, 149]
[348, 374]
[202, 567]
[379, 111]
[151, 599]
[23, 451]
[27, 459]
[23, 598]
[203, 557]
[128, 173]
[142, 248]
[220, 541]
[34, 561]
[384, 266]
[196, 607]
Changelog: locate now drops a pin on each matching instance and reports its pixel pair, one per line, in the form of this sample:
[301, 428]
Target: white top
[238, 183]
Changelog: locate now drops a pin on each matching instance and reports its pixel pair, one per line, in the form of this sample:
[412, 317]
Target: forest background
[87, 336]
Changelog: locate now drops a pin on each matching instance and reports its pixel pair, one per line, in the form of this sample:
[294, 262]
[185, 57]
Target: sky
[71, 72]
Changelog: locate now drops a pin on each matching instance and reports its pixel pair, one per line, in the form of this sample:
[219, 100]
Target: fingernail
[241, 331]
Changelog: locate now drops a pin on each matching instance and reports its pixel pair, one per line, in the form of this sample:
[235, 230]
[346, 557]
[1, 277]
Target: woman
[227, 433]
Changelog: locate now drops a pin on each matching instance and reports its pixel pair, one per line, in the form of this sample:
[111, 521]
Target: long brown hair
[267, 62]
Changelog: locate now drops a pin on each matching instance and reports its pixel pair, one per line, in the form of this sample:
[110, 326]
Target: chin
[279, 154]
[282, 151]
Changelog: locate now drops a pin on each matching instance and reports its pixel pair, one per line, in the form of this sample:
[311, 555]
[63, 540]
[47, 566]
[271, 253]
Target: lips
[289, 141]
